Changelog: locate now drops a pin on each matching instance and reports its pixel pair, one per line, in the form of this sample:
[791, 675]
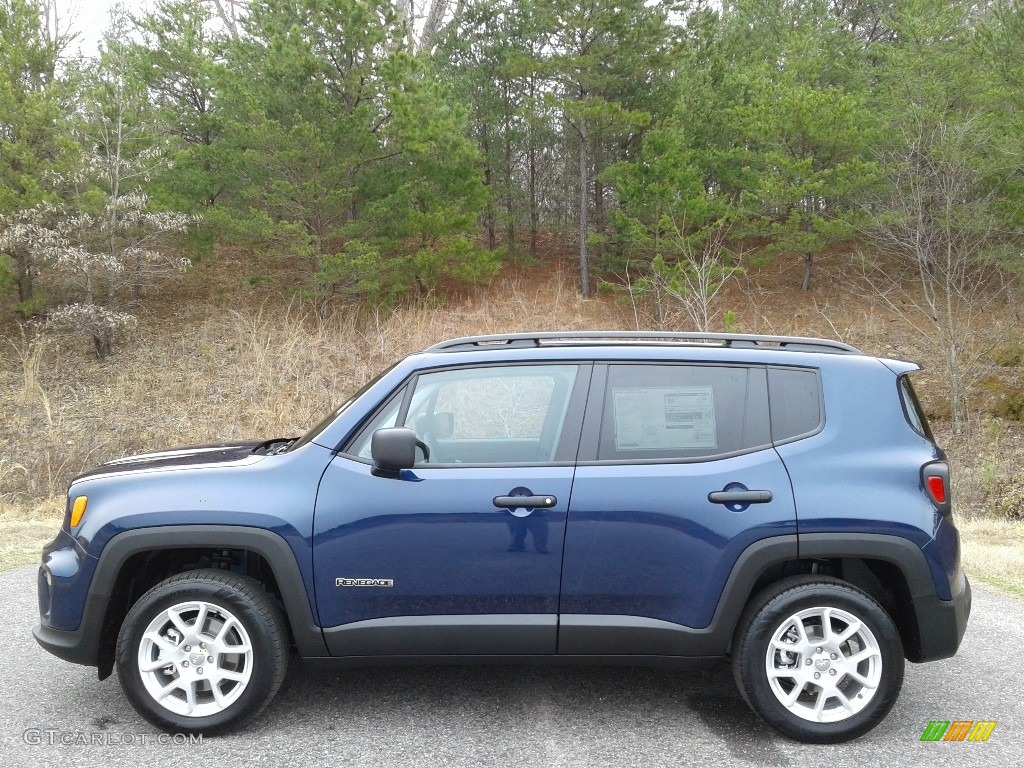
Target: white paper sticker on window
[664, 418]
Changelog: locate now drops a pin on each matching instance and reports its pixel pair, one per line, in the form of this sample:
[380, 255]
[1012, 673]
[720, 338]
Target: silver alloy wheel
[195, 659]
[823, 664]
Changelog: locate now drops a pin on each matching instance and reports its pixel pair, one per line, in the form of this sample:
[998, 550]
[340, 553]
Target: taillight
[935, 477]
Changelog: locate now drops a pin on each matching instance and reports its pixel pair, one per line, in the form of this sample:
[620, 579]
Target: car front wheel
[818, 659]
[202, 651]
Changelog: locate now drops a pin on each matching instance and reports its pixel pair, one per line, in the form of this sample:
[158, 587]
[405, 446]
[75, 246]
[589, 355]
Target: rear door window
[682, 412]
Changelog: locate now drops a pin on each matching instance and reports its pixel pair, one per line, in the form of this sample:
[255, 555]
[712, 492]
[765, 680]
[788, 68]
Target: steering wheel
[423, 447]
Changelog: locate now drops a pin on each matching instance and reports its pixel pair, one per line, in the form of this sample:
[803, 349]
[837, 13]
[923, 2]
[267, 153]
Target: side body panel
[862, 472]
[644, 540]
[436, 539]
[649, 542]
[273, 493]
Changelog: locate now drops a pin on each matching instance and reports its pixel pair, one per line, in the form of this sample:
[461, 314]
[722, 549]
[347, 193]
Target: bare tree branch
[937, 230]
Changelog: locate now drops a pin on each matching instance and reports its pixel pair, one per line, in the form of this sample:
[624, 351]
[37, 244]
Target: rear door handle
[508, 502]
[740, 497]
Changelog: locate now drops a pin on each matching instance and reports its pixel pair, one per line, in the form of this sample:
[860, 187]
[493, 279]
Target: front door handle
[740, 497]
[509, 502]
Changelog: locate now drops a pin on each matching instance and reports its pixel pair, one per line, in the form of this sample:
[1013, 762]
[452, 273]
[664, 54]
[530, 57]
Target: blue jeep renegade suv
[609, 497]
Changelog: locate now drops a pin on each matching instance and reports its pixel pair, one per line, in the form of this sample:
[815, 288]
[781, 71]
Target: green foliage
[34, 103]
[30, 104]
[804, 130]
[607, 65]
[357, 272]
[177, 57]
[33, 307]
[199, 243]
[258, 280]
[8, 272]
[29, 308]
[640, 130]
[941, 211]
[664, 207]
[341, 149]
[1000, 44]
[671, 230]
[483, 59]
[99, 241]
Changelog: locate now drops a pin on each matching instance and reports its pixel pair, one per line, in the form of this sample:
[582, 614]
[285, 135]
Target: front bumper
[70, 612]
[77, 646]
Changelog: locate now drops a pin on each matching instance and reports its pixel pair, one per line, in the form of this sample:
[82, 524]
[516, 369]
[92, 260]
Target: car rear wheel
[202, 651]
[818, 659]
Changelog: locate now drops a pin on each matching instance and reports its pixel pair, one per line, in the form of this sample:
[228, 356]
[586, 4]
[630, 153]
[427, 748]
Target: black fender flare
[933, 631]
[901, 552]
[82, 645]
[271, 546]
[936, 626]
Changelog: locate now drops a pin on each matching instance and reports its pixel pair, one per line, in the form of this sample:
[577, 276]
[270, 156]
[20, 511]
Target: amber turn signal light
[78, 510]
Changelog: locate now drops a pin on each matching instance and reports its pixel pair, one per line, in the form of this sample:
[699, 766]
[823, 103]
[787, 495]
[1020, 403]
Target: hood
[181, 458]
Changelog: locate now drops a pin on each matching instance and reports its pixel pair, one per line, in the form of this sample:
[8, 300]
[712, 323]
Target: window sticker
[664, 418]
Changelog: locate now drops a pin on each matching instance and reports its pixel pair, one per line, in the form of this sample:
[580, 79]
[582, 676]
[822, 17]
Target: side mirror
[393, 449]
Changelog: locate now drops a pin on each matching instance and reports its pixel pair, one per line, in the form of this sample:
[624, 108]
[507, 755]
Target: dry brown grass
[231, 362]
[267, 371]
[992, 551]
[26, 528]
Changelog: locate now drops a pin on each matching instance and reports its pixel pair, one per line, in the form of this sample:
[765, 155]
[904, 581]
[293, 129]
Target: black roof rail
[554, 338]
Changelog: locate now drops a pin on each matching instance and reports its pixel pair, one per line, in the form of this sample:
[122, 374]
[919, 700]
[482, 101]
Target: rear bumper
[941, 624]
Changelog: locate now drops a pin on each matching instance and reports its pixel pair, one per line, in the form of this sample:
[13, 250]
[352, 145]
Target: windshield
[329, 419]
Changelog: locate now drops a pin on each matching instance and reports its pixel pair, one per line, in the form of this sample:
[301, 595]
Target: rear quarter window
[794, 396]
[912, 408]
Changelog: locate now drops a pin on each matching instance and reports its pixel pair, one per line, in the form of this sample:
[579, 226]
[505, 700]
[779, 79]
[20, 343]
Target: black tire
[840, 676]
[228, 598]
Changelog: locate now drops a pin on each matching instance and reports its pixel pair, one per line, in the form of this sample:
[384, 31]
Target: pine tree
[34, 104]
[177, 59]
[341, 151]
[806, 130]
[601, 60]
